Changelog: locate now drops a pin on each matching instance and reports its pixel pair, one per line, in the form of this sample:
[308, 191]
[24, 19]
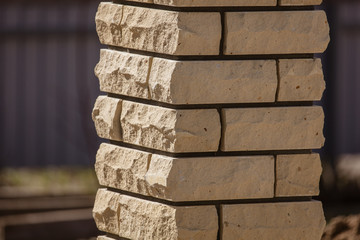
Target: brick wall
[209, 112]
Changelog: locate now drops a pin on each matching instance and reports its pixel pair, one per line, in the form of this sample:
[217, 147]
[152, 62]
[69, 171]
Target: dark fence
[47, 88]
[48, 50]
[342, 74]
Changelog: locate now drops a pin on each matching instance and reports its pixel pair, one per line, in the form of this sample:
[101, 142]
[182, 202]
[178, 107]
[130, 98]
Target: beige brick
[212, 178]
[207, 82]
[169, 129]
[278, 32]
[299, 2]
[133, 218]
[106, 211]
[106, 115]
[161, 31]
[123, 73]
[210, 3]
[269, 221]
[187, 82]
[122, 168]
[300, 80]
[185, 179]
[298, 175]
[280, 128]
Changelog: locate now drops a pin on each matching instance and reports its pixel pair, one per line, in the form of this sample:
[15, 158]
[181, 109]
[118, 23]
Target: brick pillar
[209, 112]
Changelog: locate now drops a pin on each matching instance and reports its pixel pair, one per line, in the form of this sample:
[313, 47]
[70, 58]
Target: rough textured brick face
[161, 31]
[280, 32]
[169, 129]
[300, 80]
[250, 129]
[298, 175]
[206, 82]
[105, 211]
[134, 218]
[210, 3]
[269, 221]
[122, 168]
[106, 115]
[185, 179]
[123, 73]
[299, 2]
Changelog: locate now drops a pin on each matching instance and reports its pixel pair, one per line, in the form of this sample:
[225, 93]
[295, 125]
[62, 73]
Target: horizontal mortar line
[210, 202]
[213, 57]
[215, 8]
[212, 154]
[210, 106]
[110, 235]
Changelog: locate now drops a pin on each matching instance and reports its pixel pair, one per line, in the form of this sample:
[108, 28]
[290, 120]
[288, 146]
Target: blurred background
[48, 142]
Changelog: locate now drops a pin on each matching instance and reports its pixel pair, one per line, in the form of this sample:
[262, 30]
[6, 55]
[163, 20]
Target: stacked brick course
[210, 119]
